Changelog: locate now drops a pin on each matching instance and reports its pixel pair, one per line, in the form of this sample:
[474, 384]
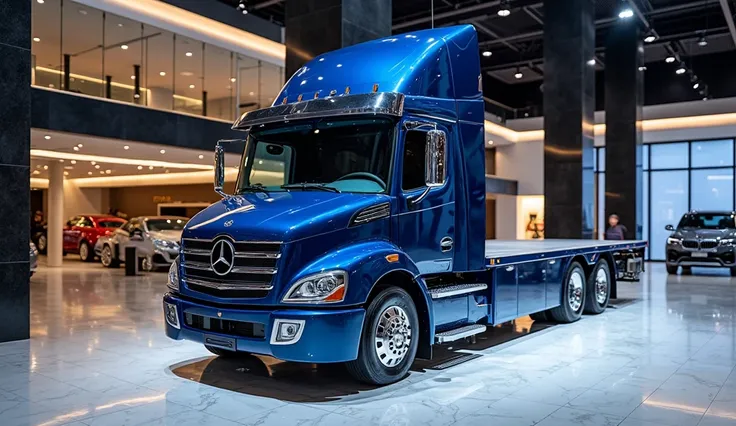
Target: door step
[462, 358]
[456, 290]
[459, 333]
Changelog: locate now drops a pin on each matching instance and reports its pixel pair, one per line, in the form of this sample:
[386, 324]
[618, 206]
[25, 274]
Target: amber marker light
[337, 296]
[391, 258]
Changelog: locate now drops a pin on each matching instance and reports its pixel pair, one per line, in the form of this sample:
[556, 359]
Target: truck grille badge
[222, 257]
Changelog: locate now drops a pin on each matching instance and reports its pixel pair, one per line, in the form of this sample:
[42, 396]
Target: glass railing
[83, 50]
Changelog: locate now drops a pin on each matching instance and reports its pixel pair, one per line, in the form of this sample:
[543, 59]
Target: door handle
[446, 244]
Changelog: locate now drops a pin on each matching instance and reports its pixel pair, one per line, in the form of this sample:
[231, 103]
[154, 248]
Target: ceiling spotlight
[163, 151]
[102, 172]
[73, 161]
[504, 10]
[191, 86]
[650, 38]
[681, 69]
[705, 98]
[241, 6]
[189, 54]
[66, 173]
[200, 156]
[162, 74]
[245, 11]
[76, 148]
[233, 79]
[642, 68]
[696, 85]
[251, 93]
[487, 53]
[124, 47]
[80, 145]
[150, 167]
[490, 142]
[591, 62]
[108, 171]
[518, 74]
[89, 173]
[626, 13]
[702, 42]
[47, 137]
[36, 172]
[93, 162]
[36, 39]
[46, 167]
[132, 77]
[40, 1]
[97, 166]
[669, 59]
[140, 167]
[126, 147]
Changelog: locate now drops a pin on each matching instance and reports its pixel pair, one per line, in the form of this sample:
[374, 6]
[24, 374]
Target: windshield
[707, 221]
[337, 155]
[110, 223]
[173, 224]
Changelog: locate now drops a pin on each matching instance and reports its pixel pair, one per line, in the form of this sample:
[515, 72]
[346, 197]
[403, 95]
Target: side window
[272, 164]
[414, 155]
[72, 221]
[127, 226]
[85, 221]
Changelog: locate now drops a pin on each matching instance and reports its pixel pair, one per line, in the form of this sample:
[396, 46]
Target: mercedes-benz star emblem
[228, 223]
[222, 257]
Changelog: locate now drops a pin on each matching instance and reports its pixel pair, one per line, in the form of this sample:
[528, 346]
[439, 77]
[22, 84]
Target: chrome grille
[255, 264]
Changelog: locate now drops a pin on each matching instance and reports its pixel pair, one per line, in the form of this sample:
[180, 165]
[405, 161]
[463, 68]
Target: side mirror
[434, 158]
[219, 169]
[669, 228]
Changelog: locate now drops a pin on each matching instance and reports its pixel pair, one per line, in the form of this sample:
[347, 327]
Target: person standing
[615, 231]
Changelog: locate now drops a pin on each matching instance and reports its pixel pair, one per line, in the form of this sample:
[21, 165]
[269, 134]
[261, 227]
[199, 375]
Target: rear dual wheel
[599, 288]
[573, 296]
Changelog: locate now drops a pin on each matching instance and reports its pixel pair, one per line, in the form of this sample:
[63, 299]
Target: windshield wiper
[307, 185]
[257, 187]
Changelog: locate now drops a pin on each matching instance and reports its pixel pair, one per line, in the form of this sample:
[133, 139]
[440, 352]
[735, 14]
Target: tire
[733, 272]
[687, 270]
[106, 257]
[672, 269]
[573, 296]
[393, 316]
[41, 245]
[85, 255]
[598, 293]
[225, 353]
[147, 264]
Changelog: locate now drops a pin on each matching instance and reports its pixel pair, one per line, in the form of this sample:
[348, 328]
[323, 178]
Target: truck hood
[706, 234]
[278, 216]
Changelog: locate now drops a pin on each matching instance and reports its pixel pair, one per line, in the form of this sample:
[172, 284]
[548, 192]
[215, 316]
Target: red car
[81, 233]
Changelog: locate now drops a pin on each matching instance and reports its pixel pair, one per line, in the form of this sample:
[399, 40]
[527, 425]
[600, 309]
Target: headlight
[173, 282]
[325, 287]
[728, 241]
[165, 244]
[674, 240]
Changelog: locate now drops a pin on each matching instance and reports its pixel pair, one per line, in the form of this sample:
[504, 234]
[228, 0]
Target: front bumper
[328, 335]
[720, 257]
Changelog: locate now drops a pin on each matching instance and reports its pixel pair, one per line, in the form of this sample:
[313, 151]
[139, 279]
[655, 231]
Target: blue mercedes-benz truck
[356, 229]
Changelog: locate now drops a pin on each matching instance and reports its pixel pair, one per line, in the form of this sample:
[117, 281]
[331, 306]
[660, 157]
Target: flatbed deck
[504, 252]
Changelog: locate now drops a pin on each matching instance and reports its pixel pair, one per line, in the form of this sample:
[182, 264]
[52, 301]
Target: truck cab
[356, 230]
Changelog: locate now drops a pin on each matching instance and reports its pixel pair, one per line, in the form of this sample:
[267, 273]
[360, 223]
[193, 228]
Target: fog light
[172, 316]
[286, 332]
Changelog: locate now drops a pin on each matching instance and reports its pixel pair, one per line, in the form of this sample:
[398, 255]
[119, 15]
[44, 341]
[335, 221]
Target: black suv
[702, 239]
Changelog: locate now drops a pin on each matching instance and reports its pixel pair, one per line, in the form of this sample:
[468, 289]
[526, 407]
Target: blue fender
[366, 264]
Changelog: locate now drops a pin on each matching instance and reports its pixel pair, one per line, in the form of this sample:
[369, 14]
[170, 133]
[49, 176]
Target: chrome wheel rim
[83, 251]
[393, 336]
[601, 286]
[42, 243]
[106, 257]
[147, 264]
[575, 290]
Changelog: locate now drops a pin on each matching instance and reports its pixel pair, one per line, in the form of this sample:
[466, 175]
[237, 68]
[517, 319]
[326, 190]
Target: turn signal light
[337, 296]
[391, 258]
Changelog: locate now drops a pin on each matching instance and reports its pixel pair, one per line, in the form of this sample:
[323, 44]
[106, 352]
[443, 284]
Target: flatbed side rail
[605, 246]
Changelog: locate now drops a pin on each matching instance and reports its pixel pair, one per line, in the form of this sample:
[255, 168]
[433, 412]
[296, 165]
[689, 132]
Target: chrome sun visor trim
[386, 103]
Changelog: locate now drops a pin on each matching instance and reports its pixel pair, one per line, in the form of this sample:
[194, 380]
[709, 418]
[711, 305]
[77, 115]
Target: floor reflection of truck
[356, 231]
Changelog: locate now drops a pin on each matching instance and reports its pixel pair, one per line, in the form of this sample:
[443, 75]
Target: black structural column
[15, 149]
[318, 26]
[569, 104]
[624, 98]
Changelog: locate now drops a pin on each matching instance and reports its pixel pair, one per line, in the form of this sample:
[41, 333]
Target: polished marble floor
[98, 356]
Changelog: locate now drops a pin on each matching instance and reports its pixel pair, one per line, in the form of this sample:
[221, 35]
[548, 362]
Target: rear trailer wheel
[672, 269]
[599, 288]
[389, 339]
[573, 296]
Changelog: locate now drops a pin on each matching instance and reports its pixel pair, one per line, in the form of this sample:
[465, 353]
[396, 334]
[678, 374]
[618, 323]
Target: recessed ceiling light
[591, 62]
[642, 68]
[680, 70]
[80, 145]
[251, 93]
[124, 47]
[191, 86]
[626, 13]
[132, 77]
[518, 75]
[89, 173]
[73, 161]
[186, 74]
[504, 12]
[163, 151]
[47, 137]
[233, 79]
[702, 42]
[126, 147]
[93, 162]
[201, 156]
[108, 171]
[97, 166]
[150, 167]
[140, 167]
[189, 54]
[45, 167]
[76, 148]
[696, 85]
[167, 170]
[102, 172]
[40, 1]
[66, 173]
[61, 161]
[162, 73]
[650, 38]
[669, 59]
[36, 172]
[487, 53]
[36, 39]
[490, 142]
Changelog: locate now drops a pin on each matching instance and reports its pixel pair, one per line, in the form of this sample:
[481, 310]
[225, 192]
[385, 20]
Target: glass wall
[678, 177]
[83, 50]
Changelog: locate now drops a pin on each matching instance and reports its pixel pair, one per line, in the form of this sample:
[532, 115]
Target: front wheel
[106, 257]
[84, 252]
[598, 292]
[573, 296]
[41, 244]
[672, 269]
[389, 339]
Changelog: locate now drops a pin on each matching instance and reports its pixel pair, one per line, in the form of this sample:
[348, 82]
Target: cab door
[426, 230]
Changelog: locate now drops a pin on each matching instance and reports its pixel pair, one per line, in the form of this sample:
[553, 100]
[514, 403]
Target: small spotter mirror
[435, 157]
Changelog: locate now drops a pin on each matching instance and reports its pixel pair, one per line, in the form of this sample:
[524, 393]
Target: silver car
[156, 239]
[703, 239]
[33, 258]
